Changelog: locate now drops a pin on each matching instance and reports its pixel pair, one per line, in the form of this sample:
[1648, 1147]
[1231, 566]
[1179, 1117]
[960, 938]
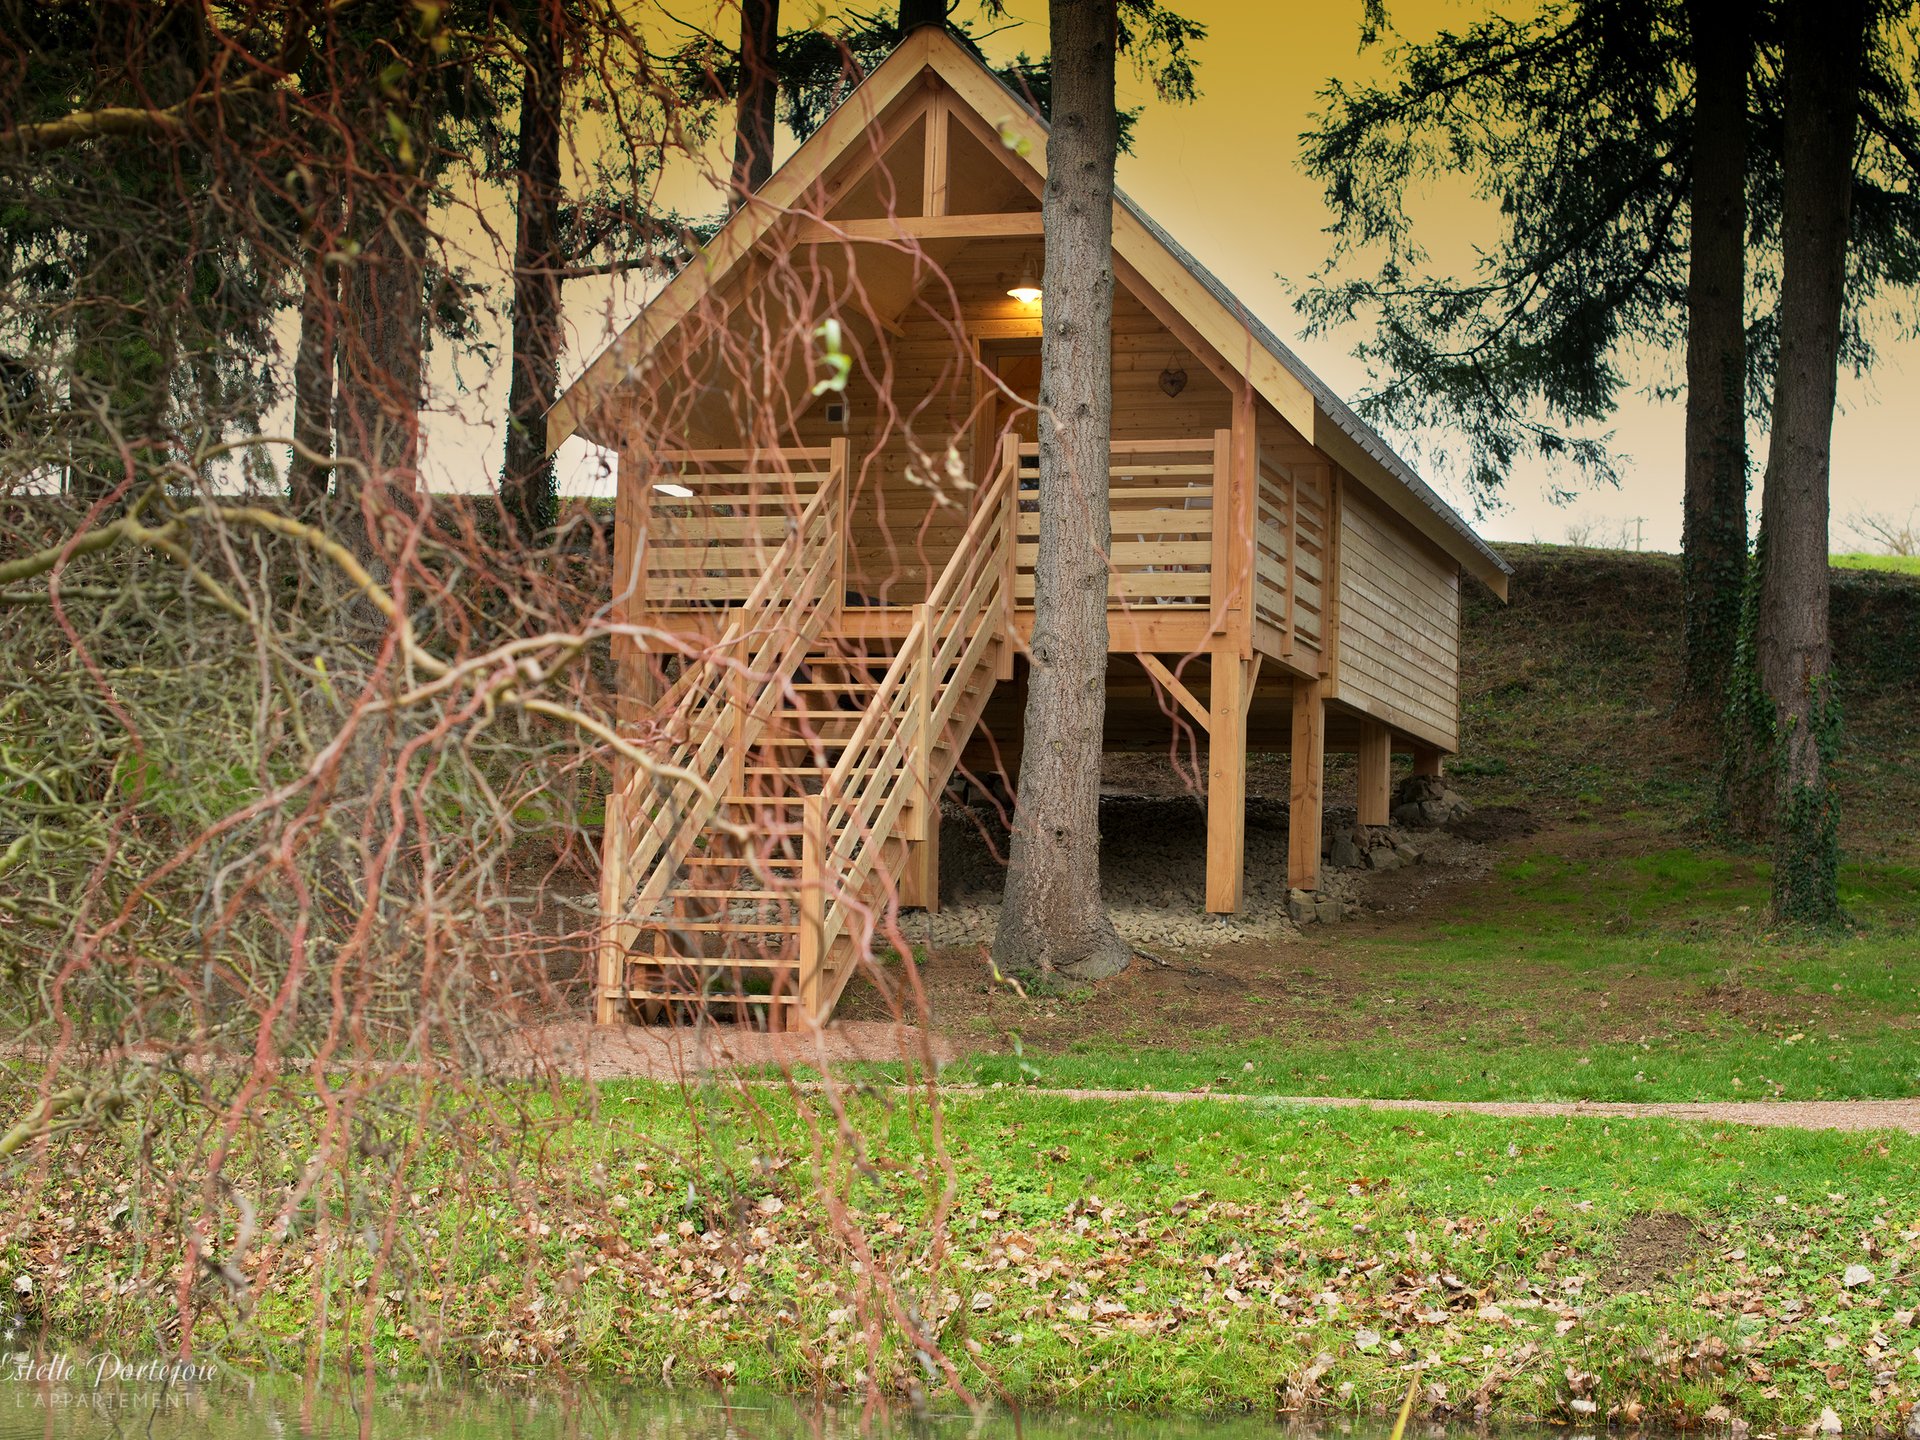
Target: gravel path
[1903, 1115]
[680, 1055]
[577, 1048]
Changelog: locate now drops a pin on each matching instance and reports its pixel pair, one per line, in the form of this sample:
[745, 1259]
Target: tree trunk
[759, 88]
[527, 489]
[1053, 919]
[915, 13]
[307, 478]
[1824, 45]
[381, 341]
[1714, 532]
[382, 357]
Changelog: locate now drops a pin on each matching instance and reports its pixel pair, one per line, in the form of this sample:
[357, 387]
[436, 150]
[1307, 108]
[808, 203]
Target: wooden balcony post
[1220, 565]
[813, 903]
[1246, 518]
[842, 481]
[1427, 760]
[1309, 784]
[1226, 782]
[1376, 771]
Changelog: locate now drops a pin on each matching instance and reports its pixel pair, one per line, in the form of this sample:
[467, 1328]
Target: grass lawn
[1613, 952]
[1572, 972]
[1899, 564]
[1136, 1255]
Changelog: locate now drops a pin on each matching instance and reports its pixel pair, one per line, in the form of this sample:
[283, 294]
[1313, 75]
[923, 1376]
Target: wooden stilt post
[1226, 783]
[1426, 760]
[920, 884]
[610, 980]
[1309, 784]
[1376, 772]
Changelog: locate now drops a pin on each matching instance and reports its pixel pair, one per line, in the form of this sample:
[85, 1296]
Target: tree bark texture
[753, 129]
[382, 358]
[313, 361]
[1053, 919]
[527, 486]
[1824, 46]
[1714, 527]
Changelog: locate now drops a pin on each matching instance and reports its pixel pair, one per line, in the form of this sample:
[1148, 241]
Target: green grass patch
[1131, 1255]
[1653, 977]
[1897, 564]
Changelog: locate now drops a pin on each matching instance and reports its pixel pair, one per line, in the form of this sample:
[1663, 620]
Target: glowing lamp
[1027, 288]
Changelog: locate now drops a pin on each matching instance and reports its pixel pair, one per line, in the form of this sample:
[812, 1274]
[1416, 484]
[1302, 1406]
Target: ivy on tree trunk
[527, 488]
[1791, 651]
[1714, 528]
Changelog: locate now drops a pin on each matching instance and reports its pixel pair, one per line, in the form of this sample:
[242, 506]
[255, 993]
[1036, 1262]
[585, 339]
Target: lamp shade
[1027, 288]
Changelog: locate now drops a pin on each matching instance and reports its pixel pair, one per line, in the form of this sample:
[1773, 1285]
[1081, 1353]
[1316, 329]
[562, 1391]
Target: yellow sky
[1223, 176]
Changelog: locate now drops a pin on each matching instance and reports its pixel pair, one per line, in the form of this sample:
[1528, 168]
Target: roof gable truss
[931, 84]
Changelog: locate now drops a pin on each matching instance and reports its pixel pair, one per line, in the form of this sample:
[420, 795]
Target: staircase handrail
[888, 750]
[801, 580]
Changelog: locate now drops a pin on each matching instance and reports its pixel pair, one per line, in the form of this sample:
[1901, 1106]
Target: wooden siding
[1399, 623]
[1292, 542]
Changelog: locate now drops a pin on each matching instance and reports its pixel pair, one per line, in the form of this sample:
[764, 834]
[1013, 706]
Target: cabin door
[1018, 371]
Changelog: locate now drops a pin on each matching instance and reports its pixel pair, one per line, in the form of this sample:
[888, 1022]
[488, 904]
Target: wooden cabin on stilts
[825, 532]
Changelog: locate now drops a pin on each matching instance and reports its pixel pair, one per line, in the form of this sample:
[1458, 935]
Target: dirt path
[683, 1055]
[1903, 1115]
[638, 1052]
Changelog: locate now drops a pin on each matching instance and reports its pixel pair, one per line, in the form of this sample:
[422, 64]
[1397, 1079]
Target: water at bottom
[91, 1396]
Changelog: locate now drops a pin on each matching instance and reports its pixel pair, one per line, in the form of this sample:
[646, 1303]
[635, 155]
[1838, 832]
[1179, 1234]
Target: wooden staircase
[745, 874]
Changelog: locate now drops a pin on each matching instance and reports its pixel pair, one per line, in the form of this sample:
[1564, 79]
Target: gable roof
[1268, 364]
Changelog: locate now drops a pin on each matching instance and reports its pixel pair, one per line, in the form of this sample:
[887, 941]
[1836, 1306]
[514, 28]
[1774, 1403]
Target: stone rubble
[1428, 802]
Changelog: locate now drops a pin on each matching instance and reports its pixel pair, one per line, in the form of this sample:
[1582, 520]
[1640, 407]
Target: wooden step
[742, 862]
[778, 897]
[723, 927]
[707, 964]
[684, 997]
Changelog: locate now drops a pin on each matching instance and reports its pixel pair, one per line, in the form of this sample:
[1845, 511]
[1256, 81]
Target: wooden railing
[1292, 543]
[1161, 501]
[885, 783]
[713, 520]
[717, 709]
